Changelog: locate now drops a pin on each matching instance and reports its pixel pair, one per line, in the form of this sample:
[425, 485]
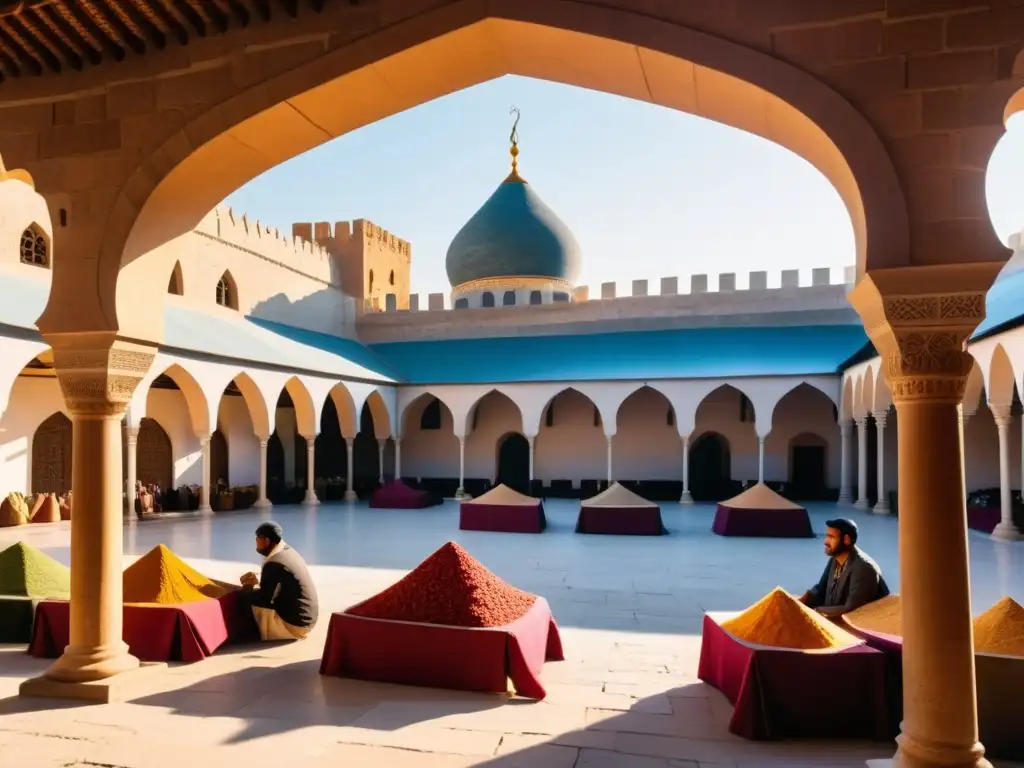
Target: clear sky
[648, 191]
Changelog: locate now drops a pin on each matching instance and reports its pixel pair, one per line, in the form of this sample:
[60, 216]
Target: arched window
[227, 295]
[33, 248]
[509, 299]
[391, 277]
[487, 299]
[535, 297]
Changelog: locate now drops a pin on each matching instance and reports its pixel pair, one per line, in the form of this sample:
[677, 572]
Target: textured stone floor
[629, 608]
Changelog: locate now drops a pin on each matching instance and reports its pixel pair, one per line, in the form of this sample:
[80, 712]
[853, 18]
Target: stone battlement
[294, 253]
[669, 286]
[324, 233]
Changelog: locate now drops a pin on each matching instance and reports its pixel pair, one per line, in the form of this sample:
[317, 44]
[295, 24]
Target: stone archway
[51, 455]
[710, 467]
[513, 462]
[154, 456]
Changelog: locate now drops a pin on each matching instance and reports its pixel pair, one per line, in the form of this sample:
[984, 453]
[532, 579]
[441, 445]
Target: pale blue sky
[648, 191]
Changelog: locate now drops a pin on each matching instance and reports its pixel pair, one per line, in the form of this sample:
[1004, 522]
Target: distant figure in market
[283, 597]
[851, 578]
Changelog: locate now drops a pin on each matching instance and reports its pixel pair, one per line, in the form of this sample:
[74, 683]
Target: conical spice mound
[882, 615]
[27, 572]
[1000, 629]
[449, 588]
[161, 577]
[780, 620]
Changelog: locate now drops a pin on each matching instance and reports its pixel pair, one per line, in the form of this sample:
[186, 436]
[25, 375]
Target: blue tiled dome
[514, 234]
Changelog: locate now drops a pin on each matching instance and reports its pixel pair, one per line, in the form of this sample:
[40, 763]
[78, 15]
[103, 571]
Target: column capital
[1001, 415]
[880, 419]
[264, 442]
[919, 319]
[98, 372]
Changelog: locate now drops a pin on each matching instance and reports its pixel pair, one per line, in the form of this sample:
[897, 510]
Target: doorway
[514, 462]
[710, 467]
[807, 468]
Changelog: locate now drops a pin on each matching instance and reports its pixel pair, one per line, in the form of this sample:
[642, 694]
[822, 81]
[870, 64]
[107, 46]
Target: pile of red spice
[450, 588]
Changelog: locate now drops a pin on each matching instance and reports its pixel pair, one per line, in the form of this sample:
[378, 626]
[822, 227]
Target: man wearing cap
[851, 578]
[282, 597]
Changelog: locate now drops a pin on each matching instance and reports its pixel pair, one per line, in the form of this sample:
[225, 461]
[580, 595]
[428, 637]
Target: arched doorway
[710, 467]
[154, 460]
[51, 455]
[219, 464]
[808, 467]
[514, 462]
[275, 468]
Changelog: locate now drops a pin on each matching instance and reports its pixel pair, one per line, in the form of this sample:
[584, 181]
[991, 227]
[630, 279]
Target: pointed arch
[176, 283]
[481, 404]
[811, 397]
[34, 248]
[666, 411]
[744, 405]
[345, 406]
[306, 421]
[867, 392]
[972, 392]
[1001, 383]
[846, 401]
[379, 413]
[255, 403]
[203, 421]
[548, 414]
[416, 406]
[226, 294]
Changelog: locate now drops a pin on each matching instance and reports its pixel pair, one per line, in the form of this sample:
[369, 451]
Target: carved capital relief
[98, 376]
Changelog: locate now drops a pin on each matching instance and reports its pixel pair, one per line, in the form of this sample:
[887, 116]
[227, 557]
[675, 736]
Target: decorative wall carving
[51, 455]
[101, 381]
[154, 458]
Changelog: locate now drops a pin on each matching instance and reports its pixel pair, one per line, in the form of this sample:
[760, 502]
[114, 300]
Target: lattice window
[33, 248]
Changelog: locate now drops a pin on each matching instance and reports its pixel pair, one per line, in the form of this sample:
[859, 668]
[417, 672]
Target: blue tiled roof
[1004, 304]
[690, 352]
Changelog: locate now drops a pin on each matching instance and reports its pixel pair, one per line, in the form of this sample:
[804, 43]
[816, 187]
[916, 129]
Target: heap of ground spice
[1000, 629]
[449, 588]
[780, 620]
[27, 572]
[13, 510]
[878, 616]
[161, 577]
[46, 509]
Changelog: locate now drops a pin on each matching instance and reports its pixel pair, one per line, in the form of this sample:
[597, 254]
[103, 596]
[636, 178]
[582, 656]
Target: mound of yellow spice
[780, 620]
[878, 616]
[1000, 629]
[161, 577]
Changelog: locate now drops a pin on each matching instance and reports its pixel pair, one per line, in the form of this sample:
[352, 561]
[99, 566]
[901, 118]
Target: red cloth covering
[769, 523]
[398, 495]
[621, 521]
[508, 518]
[187, 632]
[1000, 687]
[438, 656]
[780, 693]
[984, 519]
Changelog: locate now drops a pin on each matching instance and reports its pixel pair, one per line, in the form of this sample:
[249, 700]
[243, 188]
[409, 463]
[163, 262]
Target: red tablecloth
[509, 518]
[1000, 686]
[983, 519]
[779, 693]
[773, 523]
[445, 657]
[188, 632]
[622, 521]
[398, 495]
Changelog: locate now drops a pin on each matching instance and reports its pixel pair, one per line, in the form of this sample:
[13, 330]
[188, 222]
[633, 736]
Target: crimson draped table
[503, 509]
[768, 523]
[780, 693]
[623, 521]
[187, 632]
[984, 519]
[1000, 686]
[398, 495]
[439, 656]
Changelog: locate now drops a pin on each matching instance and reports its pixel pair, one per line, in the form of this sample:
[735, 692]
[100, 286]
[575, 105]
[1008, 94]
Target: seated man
[283, 597]
[851, 578]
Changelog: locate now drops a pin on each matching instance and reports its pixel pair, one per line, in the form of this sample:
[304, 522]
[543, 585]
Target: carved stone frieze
[98, 375]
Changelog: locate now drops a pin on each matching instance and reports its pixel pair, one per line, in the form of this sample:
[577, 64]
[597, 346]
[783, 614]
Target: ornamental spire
[514, 149]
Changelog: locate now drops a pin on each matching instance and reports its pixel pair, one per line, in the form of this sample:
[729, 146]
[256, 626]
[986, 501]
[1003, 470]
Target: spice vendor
[283, 597]
[851, 578]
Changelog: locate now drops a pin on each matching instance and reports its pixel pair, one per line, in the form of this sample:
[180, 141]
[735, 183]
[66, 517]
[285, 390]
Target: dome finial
[514, 149]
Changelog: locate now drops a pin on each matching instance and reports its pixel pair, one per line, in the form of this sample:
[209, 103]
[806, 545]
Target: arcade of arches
[899, 104]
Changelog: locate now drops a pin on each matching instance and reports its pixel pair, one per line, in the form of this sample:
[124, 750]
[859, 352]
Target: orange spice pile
[161, 577]
[780, 620]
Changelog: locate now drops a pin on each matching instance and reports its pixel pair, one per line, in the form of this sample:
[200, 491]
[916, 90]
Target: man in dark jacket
[851, 578]
[283, 596]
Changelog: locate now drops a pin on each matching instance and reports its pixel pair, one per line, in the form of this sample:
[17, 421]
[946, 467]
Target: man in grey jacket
[851, 578]
[283, 597]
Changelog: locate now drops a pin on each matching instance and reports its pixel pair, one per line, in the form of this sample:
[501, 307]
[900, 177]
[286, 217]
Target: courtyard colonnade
[902, 131]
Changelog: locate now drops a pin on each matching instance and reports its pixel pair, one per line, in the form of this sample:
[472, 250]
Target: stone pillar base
[205, 510]
[311, 500]
[860, 504]
[881, 508]
[845, 499]
[263, 504]
[686, 498]
[461, 495]
[1006, 532]
[350, 496]
[140, 681]
[88, 665]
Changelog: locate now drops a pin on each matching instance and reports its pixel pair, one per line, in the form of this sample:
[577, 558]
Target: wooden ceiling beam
[112, 49]
[113, 18]
[264, 8]
[154, 35]
[240, 11]
[193, 17]
[8, 63]
[170, 21]
[31, 65]
[35, 41]
[216, 15]
[83, 46]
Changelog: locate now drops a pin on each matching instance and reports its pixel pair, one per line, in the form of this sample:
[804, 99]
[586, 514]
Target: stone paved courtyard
[626, 697]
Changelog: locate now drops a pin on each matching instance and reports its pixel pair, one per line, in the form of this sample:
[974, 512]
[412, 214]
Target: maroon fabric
[983, 519]
[623, 521]
[774, 523]
[510, 518]
[779, 693]
[438, 656]
[188, 632]
[1000, 687]
[398, 495]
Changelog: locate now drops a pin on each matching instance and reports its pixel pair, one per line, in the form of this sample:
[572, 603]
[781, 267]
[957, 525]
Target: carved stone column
[380, 460]
[686, 498]
[862, 463]
[398, 458]
[760, 459]
[610, 463]
[131, 436]
[97, 377]
[882, 503]
[919, 321]
[311, 498]
[1005, 529]
[350, 492]
[845, 489]
[531, 440]
[206, 500]
[262, 501]
[460, 492]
